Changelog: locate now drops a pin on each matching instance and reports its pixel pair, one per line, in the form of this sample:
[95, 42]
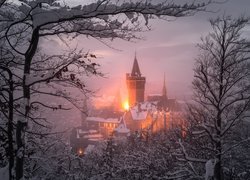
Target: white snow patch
[210, 169]
[93, 136]
[4, 173]
[122, 129]
[98, 119]
[89, 149]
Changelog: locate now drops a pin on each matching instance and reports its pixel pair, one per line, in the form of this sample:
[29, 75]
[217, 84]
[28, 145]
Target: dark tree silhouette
[221, 91]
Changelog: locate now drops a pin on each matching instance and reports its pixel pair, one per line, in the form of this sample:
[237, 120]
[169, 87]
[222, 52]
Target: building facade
[136, 84]
[157, 113]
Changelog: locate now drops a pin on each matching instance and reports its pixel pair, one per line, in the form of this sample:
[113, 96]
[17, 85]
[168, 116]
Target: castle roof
[122, 129]
[141, 110]
[136, 70]
[168, 105]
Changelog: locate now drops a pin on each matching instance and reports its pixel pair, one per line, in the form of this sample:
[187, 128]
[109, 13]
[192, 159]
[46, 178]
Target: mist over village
[121, 89]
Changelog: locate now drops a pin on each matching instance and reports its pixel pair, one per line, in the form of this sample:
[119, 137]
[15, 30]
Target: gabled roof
[141, 110]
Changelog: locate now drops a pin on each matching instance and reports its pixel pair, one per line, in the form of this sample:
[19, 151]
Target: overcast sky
[170, 48]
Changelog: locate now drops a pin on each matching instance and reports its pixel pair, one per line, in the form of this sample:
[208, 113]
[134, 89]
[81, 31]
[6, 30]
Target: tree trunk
[20, 149]
[10, 129]
[218, 169]
[22, 124]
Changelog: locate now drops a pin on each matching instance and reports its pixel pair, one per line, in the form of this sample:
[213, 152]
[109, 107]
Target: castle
[157, 113]
[154, 114]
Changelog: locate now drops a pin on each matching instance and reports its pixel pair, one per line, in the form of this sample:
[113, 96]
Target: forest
[213, 145]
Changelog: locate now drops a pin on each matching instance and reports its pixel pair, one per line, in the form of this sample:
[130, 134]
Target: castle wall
[138, 124]
[136, 89]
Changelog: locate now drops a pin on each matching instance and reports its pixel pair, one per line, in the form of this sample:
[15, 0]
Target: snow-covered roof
[141, 110]
[122, 129]
[80, 131]
[138, 115]
[93, 136]
[98, 119]
[89, 148]
[85, 133]
[91, 131]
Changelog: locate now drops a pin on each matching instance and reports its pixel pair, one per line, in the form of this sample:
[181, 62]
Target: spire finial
[164, 89]
[136, 69]
[164, 78]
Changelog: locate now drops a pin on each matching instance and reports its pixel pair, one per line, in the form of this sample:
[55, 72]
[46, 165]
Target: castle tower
[135, 84]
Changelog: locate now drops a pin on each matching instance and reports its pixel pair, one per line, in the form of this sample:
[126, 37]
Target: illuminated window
[80, 152]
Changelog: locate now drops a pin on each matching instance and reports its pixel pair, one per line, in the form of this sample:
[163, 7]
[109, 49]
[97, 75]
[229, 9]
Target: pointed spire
[164, 89]
[136, 69]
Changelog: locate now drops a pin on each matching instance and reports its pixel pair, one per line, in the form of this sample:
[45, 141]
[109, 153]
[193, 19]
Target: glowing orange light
[80, 152]
[125, 105]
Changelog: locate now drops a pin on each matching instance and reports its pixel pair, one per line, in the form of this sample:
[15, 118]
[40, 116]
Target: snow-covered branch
[187, 158]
